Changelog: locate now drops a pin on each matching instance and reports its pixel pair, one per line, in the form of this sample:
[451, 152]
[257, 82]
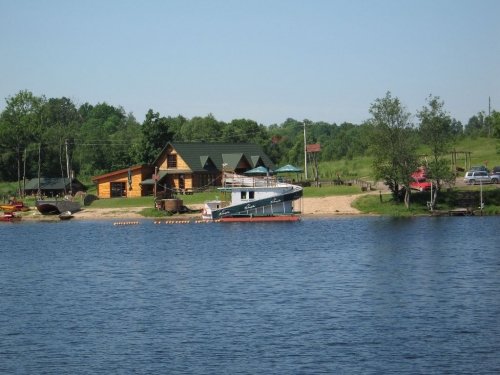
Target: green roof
[48, 183]
[196, 155]
[231, 161]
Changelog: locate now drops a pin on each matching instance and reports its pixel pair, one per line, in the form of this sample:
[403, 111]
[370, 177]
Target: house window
[118, 189]
[251, 195]
[243, 195]
[172, 161]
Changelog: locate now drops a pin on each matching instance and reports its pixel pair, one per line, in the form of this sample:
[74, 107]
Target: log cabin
[122, 183]
[182, 168]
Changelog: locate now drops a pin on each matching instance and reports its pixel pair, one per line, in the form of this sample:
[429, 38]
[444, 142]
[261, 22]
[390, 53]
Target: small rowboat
[9, 217]
[14, 206]
[66, 215]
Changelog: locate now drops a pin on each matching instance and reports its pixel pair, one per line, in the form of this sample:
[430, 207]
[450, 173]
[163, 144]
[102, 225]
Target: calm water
[334, 296]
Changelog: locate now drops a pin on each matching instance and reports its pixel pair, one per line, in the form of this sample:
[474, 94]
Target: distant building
[182, 167]
[53, 186]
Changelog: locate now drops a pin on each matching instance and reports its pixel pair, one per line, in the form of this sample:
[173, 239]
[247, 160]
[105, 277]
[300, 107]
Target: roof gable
[207, 163]
[230, 161]
[257, 161]
[120, 171]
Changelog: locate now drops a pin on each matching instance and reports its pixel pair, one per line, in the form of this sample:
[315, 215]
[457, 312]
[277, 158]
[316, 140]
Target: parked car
[479, 168]
[420, 182]
[473, 177]
[420, 185]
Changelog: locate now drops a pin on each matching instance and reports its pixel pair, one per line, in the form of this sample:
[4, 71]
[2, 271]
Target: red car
[420, 182]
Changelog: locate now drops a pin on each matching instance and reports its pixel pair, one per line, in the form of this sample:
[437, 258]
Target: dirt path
[328, 206]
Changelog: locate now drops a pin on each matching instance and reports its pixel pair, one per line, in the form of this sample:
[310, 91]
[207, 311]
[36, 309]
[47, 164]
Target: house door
[118, 189]
[182, 184]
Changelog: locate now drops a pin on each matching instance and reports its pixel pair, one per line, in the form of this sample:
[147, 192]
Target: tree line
[36, 133]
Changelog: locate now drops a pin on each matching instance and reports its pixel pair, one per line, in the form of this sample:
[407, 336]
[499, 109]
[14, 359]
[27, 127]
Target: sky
[265, 60]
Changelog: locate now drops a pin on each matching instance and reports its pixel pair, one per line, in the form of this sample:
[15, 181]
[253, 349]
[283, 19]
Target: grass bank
[467, 197]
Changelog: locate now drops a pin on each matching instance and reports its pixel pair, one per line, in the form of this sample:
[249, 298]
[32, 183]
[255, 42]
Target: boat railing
[237, 180]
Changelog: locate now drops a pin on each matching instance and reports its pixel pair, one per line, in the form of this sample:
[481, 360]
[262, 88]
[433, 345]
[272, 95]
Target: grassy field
[357, 168]
[447, 200]
[7, 189]
[484, 151]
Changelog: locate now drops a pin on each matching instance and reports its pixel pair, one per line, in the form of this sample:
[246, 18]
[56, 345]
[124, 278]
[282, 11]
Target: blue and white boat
[257, 198]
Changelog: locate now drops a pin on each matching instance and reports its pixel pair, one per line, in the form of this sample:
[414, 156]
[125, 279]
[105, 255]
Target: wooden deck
[461, 212]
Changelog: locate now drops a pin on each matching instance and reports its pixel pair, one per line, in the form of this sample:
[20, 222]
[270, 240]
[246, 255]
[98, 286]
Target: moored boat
[66, 215]
[9, 217]
[254, 199]
[13, 206]
[259, 218]
[57, 206]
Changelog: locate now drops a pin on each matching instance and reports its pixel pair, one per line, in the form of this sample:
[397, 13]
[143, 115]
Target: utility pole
[155, 178]
[489, 116]
[305, 150]
[24, 174]
[68, 170]
[39, 192]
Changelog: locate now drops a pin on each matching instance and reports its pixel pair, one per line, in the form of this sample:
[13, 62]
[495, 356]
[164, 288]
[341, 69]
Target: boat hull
[66, 215]
[13, 207]
[56, 207]
[248, 207]
[259, 219]
[9, 217]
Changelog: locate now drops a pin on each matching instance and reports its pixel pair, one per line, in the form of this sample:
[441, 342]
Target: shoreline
[322, 207]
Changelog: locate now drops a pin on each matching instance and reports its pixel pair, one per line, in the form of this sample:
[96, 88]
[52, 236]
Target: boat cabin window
[245, 195]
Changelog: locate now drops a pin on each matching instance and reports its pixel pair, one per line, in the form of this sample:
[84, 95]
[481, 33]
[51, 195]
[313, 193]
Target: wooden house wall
[162, 161]
[188, 181]
[135, 189]
[104, 184]
[173, 179]
[200, 180]
[243, 165]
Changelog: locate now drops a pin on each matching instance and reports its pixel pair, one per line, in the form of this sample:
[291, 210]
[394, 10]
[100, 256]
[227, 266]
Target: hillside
[483, 151]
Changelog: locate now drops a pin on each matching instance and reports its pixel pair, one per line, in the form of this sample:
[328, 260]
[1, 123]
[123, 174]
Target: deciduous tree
[393, 145]
[156, 133]
[436, 131]
[20, 125]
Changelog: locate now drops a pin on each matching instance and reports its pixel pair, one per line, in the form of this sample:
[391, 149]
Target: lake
[349, 295]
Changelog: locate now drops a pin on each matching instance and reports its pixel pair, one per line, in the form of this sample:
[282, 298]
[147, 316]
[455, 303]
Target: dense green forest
[36, 132]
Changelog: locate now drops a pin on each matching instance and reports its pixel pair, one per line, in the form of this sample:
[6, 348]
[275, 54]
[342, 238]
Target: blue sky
[261, 60]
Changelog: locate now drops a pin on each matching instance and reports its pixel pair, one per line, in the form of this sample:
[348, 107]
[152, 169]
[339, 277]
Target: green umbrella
[288, 169]
[258, 171]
